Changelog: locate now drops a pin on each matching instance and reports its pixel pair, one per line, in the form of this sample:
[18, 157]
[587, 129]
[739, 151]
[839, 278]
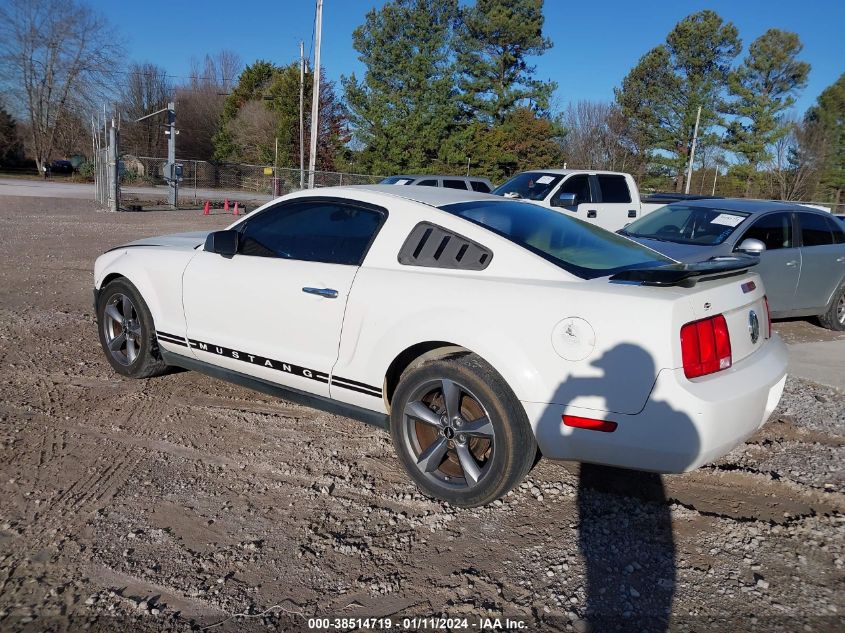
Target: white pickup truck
[608, 199]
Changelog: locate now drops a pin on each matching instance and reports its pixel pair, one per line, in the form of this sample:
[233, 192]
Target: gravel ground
[177, 502]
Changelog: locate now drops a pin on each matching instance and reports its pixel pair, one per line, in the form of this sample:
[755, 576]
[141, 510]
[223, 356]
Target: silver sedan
[801, 250]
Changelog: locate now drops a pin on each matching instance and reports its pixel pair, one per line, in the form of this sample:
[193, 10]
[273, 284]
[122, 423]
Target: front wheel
[834, 318]
[460, 432]
[127, 332]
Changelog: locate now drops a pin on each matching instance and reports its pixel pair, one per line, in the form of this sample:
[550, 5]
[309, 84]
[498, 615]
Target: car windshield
[396, 180]
[583, 249]
[532, 185]
[684, 224]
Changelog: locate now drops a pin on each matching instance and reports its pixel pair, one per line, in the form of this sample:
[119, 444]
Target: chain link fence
[203, 179]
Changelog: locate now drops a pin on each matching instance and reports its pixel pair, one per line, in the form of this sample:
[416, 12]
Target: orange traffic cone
[235, 212]
[206, 210]
[226, 205]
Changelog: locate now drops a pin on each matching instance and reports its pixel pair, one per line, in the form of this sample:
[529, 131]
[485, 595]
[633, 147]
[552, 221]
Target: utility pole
[301, 114]
[315, 96]
[692, 150]
[173, 197]
[113, 170]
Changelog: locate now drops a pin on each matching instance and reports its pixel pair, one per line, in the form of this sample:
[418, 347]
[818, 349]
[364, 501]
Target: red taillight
[705, 346]
[768, 317]
[589, 423]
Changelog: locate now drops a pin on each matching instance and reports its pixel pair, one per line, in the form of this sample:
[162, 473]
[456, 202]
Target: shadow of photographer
[625, 524]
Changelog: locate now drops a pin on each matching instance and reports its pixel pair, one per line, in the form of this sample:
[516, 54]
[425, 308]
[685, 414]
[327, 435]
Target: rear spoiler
[687, 275]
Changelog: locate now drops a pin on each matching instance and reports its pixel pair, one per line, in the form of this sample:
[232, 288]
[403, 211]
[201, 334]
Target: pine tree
[763, 87]
[494, 39]
[404, 109]
[10, 144]
[828, 117]
[662, 93]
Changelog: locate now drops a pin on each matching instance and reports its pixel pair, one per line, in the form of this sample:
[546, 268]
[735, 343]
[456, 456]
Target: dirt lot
[176, 502]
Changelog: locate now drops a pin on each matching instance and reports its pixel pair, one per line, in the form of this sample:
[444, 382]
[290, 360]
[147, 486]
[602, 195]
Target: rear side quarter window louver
[433, 246]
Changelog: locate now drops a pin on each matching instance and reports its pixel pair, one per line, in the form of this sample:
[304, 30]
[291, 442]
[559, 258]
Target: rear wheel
[834, 318]
[127, 332]
[460, 432]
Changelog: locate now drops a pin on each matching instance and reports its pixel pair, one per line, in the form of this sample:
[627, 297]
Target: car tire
[127, 332]
[834, 318]
[460, 432]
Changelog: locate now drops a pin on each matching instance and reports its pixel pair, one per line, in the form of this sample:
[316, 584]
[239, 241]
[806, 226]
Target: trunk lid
[741, 301]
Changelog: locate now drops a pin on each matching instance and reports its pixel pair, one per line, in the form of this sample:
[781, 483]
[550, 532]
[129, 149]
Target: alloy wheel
[122, 329]
[449, 433]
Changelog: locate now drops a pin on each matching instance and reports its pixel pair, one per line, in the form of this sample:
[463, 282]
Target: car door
[455, 183]
[275, 309]
[615, 207]
[780, 263]
[822, 260]
[581, 186]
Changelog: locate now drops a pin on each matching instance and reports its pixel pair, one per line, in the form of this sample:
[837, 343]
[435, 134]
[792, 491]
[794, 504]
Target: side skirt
[271, 389]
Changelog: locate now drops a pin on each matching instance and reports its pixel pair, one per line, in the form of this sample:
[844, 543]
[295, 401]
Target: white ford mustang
[478, 328]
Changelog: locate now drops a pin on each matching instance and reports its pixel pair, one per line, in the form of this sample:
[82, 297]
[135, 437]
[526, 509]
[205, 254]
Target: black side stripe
[278, 365]
[255, 359]
[358, 389]
[171, 338]
[354, 385]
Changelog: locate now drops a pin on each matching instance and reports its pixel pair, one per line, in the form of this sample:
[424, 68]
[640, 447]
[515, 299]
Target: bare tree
[199, 102]
[595, 136]
[147, 89]
[796, 161]
[55, 58]
[253, 130]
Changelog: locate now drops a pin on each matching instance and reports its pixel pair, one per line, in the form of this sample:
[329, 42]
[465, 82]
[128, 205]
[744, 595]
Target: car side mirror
[223, 243]
[751, 246]
[565, 200]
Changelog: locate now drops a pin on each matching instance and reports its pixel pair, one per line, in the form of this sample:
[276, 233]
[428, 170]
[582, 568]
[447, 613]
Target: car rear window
[532, 185]
[815, 230]
[685, 224]
[614, 189]
[582, 249]
[478, 185]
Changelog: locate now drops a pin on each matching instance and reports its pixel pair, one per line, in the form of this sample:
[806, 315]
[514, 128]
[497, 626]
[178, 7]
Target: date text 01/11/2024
[416, 624]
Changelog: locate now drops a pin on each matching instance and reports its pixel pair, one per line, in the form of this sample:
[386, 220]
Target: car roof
[435, 176]
[566, 172]
[748, 205]
[432, 196]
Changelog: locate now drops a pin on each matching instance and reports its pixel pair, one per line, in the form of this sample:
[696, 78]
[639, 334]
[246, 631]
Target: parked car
[477, 328]
[666, 197]
[61, 167]
[801, 250]
[472, 183]
[607, 199]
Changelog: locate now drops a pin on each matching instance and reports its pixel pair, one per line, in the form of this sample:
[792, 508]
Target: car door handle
[792, 263]
[632, 213]
[591, 213]
[329, 293]
[840, 259]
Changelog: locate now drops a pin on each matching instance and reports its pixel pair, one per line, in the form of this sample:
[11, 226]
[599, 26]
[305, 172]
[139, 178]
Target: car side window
[579, 185]
[314, 231]
[774, 230]
[454, 184]
[815, 231]
[614, 189]
[427, 183]
[478, 185]
[838, 229]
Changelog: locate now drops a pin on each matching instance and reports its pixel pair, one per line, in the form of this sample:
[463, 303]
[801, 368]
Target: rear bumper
[684, 424]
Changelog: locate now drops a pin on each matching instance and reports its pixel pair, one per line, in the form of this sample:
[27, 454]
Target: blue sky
[595, 43]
